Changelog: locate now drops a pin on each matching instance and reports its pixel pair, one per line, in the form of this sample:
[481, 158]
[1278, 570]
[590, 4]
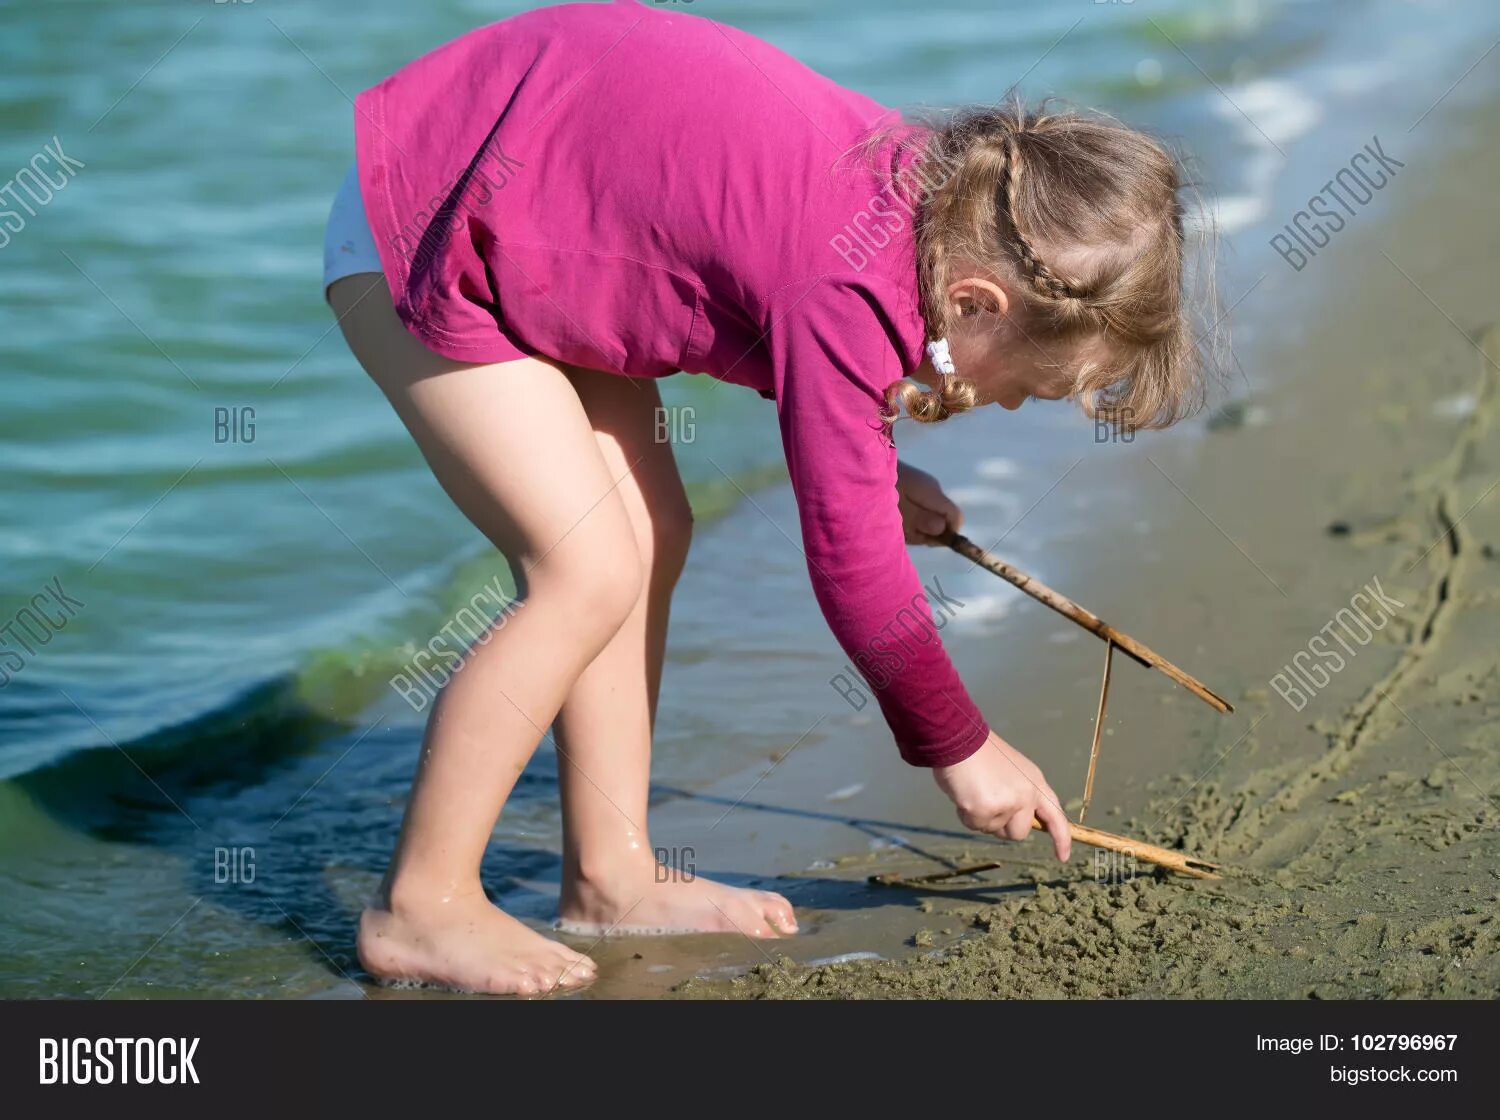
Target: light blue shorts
[348, 244]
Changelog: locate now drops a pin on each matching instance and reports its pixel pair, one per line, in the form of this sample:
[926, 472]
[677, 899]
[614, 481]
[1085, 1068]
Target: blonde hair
[1081, 218]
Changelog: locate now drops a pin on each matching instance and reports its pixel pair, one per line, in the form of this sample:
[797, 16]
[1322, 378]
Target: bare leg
[611, 879]
[513, 447]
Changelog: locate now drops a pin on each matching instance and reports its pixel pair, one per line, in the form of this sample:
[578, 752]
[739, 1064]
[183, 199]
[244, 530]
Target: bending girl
[552, 212]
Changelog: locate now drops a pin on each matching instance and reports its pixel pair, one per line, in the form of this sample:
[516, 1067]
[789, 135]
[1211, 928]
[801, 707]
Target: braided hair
[1046, 282]
[1082, 215]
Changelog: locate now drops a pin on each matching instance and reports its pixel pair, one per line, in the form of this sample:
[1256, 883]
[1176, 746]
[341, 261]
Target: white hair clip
[942, 360]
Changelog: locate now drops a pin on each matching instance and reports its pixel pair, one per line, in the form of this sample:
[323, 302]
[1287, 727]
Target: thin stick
[1088, 783]
[1180, 862]
[1089, 621]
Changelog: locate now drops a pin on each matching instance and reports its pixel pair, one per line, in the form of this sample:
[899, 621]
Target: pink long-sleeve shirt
[632, 189]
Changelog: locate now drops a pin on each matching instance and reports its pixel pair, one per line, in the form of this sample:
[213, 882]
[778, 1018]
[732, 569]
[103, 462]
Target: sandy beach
[1358, 832]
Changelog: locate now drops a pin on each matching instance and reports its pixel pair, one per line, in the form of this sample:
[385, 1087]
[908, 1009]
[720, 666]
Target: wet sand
[1360, 831]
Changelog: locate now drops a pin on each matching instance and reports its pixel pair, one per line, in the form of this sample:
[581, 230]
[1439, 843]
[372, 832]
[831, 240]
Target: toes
[739, 914]
[523, 983]
[571, 981]
[779, 913]
[582, 965]
[574, 971]
[533, 982]
[757, 915]
[544, 976]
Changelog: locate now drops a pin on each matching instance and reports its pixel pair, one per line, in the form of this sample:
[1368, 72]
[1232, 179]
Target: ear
[974, 295]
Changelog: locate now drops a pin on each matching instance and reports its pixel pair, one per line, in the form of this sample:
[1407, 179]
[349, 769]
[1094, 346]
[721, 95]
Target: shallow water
[209, 752]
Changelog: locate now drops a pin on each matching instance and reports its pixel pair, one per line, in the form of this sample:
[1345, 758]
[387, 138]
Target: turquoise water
[254, 546]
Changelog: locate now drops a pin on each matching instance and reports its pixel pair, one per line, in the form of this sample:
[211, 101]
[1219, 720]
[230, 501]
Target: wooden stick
[1088, 783]
[1090, 622]
[1180, 862]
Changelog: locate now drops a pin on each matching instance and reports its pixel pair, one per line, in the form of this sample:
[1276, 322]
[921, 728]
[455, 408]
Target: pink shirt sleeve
[833, 353]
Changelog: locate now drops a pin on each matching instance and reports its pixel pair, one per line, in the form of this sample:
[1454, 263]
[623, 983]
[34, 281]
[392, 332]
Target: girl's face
[1006, 367]
[1009, 369]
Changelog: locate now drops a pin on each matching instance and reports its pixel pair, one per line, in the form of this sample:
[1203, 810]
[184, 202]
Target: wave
[294, 690]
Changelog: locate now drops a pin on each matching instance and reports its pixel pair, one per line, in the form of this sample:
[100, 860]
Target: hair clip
[942, 359]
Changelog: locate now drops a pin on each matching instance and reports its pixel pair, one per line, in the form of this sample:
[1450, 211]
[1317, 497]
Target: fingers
[922, 525]
[1001, 792]
[1018, 827]
[1049, 795]
[925, 509]
[1050, 814]
[937, 516]
[953, 517]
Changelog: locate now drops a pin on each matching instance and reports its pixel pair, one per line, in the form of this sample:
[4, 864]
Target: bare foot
[468, 944]
[649, 898]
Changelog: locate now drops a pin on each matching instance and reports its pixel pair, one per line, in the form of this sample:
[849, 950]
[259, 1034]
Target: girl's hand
[926, 512]
[997, 789]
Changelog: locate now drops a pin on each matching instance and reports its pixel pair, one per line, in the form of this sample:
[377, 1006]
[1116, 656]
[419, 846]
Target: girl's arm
[834, 353]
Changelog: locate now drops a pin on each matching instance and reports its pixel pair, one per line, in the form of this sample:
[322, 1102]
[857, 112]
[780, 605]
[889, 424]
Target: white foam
[983, 496]
[418, 985]
[602, 929]
[845, 958]
[1455, 407]
[1276, 109]
[982, 610]
[997, 468]
[846, 792]
[1238, 211]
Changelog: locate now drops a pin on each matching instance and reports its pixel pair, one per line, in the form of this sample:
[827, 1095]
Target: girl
[550, 213]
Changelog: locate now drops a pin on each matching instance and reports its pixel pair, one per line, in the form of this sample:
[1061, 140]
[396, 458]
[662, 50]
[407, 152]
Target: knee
[593, 593]
[672, 537]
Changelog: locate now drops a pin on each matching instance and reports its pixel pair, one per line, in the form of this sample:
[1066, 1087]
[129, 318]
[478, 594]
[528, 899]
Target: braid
[953, 395]
[1046, 282]
[1079, 218]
